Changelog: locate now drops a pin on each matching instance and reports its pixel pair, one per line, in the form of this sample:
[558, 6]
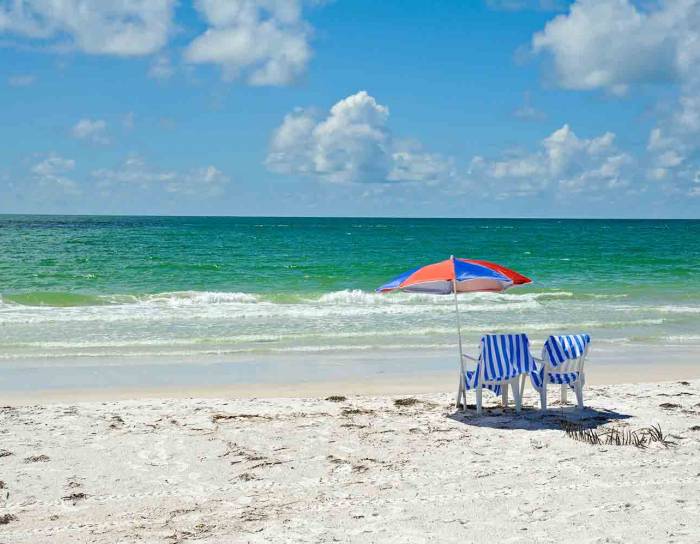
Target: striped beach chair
[503, 358]
[562, 363]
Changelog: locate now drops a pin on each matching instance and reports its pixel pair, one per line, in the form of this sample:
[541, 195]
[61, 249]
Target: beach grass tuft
[640, 438]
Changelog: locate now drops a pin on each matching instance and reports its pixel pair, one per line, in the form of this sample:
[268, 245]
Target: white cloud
[129, 120]
[613, 44]
[51, 174]
[267, 40]
[520, 5]
[53, 165]
[91, 131]
[674, 143]
[135, 172]
[21, 80]
[616, 45]
[115, 27]
[412, 164]
[564, 163]
[352, 144]
[527, 111]
[161, 68]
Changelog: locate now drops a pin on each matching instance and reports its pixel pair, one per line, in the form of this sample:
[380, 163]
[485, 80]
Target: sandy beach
[351, 469]
[251, 252]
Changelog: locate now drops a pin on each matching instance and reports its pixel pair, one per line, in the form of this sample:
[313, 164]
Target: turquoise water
[145, 287]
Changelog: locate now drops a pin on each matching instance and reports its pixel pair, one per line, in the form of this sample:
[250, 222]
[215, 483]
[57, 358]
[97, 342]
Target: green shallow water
[145, 286]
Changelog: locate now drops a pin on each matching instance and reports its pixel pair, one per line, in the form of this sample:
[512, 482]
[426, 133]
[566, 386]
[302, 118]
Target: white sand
[362, 470]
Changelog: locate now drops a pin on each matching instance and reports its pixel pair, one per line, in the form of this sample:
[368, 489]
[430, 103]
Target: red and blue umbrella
[455, 275]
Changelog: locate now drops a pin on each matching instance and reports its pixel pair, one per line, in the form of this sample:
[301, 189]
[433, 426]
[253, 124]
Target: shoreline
[376, 385]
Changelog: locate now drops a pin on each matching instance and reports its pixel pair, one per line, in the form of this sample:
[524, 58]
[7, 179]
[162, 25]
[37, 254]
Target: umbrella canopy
[456, 275]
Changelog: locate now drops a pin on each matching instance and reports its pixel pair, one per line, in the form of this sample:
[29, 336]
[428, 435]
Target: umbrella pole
[460, 390]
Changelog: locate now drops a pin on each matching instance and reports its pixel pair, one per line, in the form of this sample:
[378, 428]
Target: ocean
[138, 290]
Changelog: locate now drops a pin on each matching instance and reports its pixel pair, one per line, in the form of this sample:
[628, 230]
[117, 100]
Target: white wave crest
[187, 298]
[359, 297]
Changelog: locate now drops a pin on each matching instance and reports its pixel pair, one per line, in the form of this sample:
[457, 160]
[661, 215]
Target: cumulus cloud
[136, 173]
[613, 44]
[116, 27]
[351, 144]
[674, 143]
[564, 163]
[267, 40]
[51, 174]
[94, 131]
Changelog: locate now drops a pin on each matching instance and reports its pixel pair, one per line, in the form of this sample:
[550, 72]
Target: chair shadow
[534, 419]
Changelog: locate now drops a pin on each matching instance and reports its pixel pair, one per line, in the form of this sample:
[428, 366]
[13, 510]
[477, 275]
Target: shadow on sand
[533, 419]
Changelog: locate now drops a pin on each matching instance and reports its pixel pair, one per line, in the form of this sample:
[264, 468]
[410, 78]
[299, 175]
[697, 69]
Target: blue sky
[498, 108]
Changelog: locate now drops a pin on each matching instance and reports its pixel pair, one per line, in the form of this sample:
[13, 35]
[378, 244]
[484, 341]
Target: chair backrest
[505, 356]
[566, 353]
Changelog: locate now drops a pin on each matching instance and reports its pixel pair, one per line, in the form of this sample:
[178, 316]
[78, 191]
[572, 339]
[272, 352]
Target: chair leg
[517, 395]
[522, 386]
[579, 394]
[478, 400]
[543, 396]
[563, 394]
[459, 394]
[504, 395]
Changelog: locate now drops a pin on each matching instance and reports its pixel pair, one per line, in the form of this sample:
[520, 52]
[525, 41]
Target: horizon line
[218, 216]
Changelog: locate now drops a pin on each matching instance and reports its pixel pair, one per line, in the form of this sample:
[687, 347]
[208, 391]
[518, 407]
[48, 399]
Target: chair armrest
[470, 357]
[538, 359]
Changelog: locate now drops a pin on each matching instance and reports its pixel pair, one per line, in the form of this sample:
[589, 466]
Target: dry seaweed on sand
[7, 518]
[355, 411]
[5, 453]
[37, 459]
[75, 497]
[406, 402]
[336, 398]
[227, 417]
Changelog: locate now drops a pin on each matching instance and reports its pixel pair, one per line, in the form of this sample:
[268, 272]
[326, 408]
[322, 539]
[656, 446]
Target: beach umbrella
[453, 276]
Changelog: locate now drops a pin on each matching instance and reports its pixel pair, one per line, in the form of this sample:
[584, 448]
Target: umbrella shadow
[534, 419]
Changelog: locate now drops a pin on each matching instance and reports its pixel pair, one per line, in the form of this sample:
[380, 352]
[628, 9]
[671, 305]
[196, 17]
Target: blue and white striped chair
[502, 360]
[562, 363]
